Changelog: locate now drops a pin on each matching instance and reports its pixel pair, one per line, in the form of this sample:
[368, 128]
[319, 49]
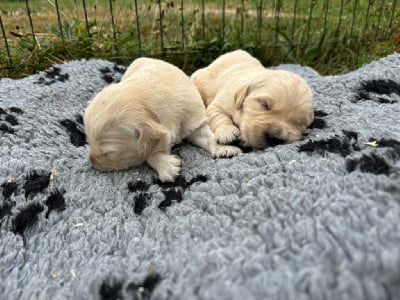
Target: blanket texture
[315, 219]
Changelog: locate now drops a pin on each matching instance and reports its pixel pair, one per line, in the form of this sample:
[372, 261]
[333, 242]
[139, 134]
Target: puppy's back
[155, 86]
[153, 70]
[207, 79]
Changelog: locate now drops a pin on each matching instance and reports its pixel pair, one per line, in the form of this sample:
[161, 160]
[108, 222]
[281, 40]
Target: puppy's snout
[272, 140]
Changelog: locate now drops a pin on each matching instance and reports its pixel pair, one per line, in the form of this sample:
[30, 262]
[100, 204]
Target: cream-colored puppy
[139, 119]
[244, 100]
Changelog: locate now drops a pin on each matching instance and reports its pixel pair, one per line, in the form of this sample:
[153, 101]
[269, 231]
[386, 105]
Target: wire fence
[41, 31]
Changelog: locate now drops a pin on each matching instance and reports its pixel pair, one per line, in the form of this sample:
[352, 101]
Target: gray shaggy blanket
[316, 219]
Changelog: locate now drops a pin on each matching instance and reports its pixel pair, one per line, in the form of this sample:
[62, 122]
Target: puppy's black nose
[272, 140]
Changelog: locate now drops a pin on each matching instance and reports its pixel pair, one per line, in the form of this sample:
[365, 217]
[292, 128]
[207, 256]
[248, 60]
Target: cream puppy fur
[139, 119]
[244, 100]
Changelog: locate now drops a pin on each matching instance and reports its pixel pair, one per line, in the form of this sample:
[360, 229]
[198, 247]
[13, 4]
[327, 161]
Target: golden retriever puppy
[139, 119]
[244, 100]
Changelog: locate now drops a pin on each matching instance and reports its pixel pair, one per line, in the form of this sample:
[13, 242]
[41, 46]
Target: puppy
[139, 119]
[243, 99]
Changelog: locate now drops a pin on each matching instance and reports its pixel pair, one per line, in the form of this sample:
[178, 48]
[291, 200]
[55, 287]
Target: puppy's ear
[151, 137]
[240, 95]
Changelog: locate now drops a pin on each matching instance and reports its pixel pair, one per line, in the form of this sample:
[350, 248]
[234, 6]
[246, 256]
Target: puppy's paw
[226, 151]
[226, 134]
[168, 167]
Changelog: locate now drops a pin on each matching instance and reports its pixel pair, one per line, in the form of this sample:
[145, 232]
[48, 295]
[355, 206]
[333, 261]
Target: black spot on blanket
[144, 290]
[318, 124]
[26, 218]
[394, 145]
[76, 132]
[9, 119]
[109, 74]
[350, 134]
[107, 78]
[332, 145]
[12, 120]
[16, 110]
[391, 143]
[119, 69]
[173, 191]
[318, 121]
[170, 196]
[369, 164]
[8, 188]
[5, 128]
[180, 181]
[51, 76]
[138, 186]
[6, 208]
[111, 290]
[319, 113]
[141, 202]
[374, 89]
[36, 183]
[142, 197]
[79, 119]
[55, 202]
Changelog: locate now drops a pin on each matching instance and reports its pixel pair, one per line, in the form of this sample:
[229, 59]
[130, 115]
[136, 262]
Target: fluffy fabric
[315, 219]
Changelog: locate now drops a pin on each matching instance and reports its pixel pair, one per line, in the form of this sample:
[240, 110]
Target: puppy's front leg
[204, 138]
[166, 165]
[221, 124]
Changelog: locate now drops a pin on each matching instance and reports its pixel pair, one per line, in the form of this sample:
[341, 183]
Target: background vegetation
[332, 36]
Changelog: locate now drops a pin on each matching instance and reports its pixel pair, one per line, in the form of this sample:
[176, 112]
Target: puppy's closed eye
[265, 105]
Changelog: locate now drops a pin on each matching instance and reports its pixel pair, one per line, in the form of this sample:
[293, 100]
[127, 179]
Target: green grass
[318, 41]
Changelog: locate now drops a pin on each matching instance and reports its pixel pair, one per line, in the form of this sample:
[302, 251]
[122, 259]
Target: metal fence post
[223, 21]
[367, 18]
[86, 19]
[353, 19]
[259, 21]
[10, 63]
[392, 17]
[59, 20]
[293, 21]
[310, 15]
[340, 17]
[241, 23]
[203, 20]
[138, 27]
[28, 11]
[379, 21]
[326, 3]
[113, 28]
[161, 26]
[182, 26]
[277, 15]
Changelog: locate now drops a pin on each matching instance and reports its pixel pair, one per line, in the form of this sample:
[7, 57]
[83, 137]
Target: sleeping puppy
[244, 100]
[139, 119]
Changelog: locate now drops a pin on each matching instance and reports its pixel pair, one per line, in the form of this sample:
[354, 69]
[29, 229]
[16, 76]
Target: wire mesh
[127, 29]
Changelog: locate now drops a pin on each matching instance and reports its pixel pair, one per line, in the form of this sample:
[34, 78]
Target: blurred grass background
[332, 36]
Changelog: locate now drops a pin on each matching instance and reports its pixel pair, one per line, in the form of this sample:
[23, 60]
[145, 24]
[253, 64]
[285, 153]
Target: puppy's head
[274, 107]
[121, 135]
